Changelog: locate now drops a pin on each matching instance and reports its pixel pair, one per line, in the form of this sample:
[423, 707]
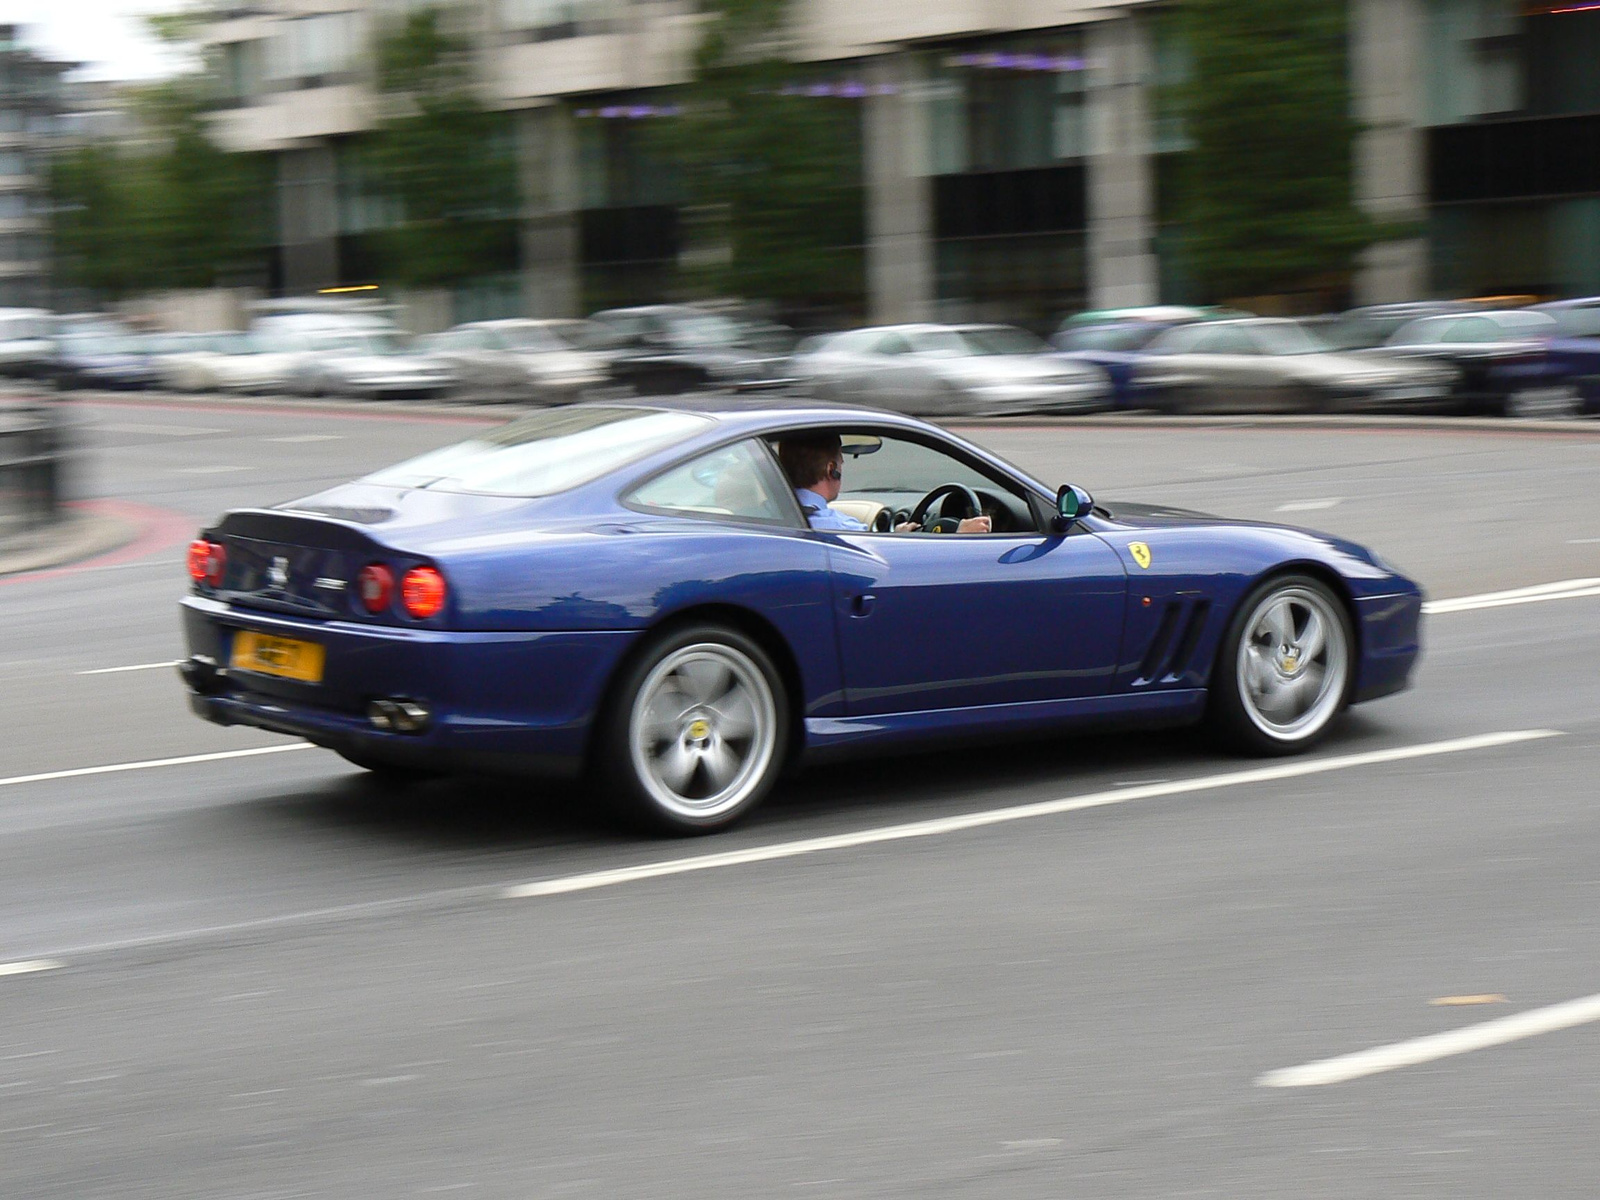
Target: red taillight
[422, 592]
[375, 586]
[207, 561]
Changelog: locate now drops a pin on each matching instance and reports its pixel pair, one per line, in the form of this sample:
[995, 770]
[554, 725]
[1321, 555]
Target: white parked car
[540, 361]
[370, 364]
[948, 370]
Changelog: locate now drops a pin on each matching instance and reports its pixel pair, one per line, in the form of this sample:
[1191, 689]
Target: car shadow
[488, 816]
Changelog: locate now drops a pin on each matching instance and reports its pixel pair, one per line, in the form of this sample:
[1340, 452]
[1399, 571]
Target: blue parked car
[633, 591]
[1513, 363]
[1576, 347]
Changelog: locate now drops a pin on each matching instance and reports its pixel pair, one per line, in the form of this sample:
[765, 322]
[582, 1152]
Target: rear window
[545, 453]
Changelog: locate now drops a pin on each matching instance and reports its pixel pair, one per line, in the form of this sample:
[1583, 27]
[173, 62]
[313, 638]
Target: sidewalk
[78, 536]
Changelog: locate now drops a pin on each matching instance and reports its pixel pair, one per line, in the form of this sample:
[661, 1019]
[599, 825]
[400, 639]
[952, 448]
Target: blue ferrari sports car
[634, 591]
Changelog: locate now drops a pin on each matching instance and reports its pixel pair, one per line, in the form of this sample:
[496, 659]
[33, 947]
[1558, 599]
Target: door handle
[861, 605]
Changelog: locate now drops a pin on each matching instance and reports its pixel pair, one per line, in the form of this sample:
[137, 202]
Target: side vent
[1183, 657]
[1171, 649]
[1156, 654]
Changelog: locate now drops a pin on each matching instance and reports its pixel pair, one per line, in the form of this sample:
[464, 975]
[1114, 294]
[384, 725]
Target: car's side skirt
[837, 735]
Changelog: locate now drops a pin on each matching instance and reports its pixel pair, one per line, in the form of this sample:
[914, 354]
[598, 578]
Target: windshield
[99, 344]
[1000, 339]
[1116, 338]
[530, 337]
[1286, 337]
[1578, 322]
[700, 329]
[545, 453]
[362, 343]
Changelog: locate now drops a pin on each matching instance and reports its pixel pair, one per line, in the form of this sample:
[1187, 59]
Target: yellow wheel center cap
[699, 730]
[1290, 662]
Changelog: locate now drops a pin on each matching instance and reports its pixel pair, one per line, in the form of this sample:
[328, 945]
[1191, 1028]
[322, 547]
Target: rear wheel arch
[746, 621]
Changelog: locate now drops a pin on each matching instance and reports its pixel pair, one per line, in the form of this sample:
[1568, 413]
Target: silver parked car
[1274, 365]
[949, 370]
[541, 361]
[370, 364]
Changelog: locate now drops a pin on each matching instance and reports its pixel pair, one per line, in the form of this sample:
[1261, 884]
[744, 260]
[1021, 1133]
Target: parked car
[370, 364]
[634, 590]
[187, 362]
[519, 360]
[663, 349]
[950, 370]
[1576, 348]
[1114, 340]
[1507, 362]
[1263, 364]
[98, 358]
[1374, 324]
[25, 341]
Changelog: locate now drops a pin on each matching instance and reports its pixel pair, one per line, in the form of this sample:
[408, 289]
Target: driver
[814, 464]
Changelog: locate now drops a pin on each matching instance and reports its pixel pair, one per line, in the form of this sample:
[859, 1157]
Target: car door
[942, 621]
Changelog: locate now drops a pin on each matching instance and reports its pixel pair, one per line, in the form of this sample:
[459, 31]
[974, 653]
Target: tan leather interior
[865, 511]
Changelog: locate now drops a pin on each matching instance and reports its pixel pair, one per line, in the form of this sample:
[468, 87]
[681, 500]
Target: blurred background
[834, 163]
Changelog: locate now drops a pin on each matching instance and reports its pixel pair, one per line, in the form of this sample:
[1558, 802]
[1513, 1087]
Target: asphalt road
[277, 980]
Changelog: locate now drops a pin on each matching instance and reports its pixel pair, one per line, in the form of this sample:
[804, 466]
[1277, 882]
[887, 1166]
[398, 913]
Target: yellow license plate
[286, 658]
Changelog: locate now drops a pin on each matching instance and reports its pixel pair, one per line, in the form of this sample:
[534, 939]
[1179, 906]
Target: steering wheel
[971, 505]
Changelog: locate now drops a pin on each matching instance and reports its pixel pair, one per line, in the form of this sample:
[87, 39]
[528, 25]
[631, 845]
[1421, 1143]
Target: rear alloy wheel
[696, 732]
[1285, 667]
[1556, 402]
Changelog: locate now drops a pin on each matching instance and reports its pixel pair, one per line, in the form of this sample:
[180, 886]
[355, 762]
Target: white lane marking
[1436, 1045]
[1582, 541]
[216, 470]
[1565, 589]
[169, 430]
[119, 670]
[308, 437]
[1021, 812]
[1310, 505]
[79, 772]
[30, 966]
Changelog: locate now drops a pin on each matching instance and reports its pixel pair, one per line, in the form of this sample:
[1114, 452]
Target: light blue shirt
[820, 515]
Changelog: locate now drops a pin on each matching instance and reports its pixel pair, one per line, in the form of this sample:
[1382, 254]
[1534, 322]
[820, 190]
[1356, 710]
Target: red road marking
[158, 529]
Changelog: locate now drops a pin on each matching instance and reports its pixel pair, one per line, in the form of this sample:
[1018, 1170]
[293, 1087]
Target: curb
[77, 536]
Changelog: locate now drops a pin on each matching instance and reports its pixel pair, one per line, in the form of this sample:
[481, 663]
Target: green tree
[167, 208]
[1265, 189]
[770, 165]
[443, 159]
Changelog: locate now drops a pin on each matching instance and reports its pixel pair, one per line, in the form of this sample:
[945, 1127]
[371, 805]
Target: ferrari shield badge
[1141, 554]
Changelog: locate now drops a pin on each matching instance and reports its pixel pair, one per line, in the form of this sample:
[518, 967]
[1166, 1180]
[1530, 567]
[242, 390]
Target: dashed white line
[119, 670]
[308, 437]
[1565, 589]
[219, 469]
[1583, 541]
[149, 764]
[944, 825]
[30, 966]
[1310, 505]
[1435, 1046]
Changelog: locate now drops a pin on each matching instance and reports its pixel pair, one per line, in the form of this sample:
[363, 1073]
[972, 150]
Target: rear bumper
[514, 700]
[1390, 643]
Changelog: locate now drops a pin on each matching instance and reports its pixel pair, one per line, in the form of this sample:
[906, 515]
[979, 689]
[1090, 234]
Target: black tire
[702, 698]
[1250, 670]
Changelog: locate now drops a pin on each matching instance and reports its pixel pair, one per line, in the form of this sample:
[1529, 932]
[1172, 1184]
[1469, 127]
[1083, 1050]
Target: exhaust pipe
[399, 716]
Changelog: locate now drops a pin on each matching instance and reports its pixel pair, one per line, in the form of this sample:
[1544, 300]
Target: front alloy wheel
[702, 724]
[1285, 668]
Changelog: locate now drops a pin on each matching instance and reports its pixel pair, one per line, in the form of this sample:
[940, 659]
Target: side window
[735, 481]
[892, 343]
[1225, 341]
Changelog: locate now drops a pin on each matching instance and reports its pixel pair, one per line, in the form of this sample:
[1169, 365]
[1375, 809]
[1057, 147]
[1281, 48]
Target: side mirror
[1072, 504]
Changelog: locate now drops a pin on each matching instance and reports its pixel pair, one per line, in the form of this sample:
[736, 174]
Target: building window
[1474, 59]
[548, 20]
[314, 50]
[1009, 105]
